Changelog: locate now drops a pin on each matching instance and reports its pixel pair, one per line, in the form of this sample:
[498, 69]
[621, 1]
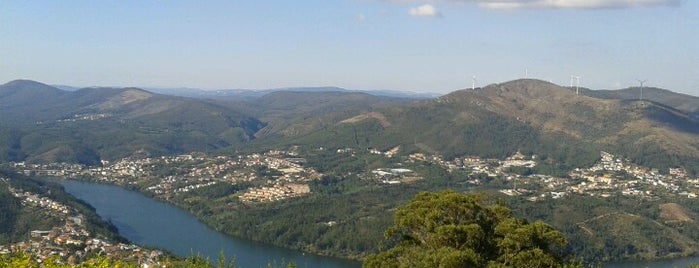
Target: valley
[219, 189]
[323, 172]
[347, 133]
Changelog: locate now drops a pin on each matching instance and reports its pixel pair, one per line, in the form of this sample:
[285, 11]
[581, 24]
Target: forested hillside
[44, 124]
[563, 129]
[590, 164]
[18, 220]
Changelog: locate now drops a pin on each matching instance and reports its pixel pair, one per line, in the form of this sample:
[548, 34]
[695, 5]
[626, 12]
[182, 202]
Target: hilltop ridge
[579, 161]
[523, 115]
[497, 120]
[47, 124]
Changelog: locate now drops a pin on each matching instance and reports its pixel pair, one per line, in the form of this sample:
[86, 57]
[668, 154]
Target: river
[153, 223]
[149, 222]
[671, 263]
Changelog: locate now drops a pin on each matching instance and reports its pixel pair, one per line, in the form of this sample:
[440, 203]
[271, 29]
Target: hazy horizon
[403, 45]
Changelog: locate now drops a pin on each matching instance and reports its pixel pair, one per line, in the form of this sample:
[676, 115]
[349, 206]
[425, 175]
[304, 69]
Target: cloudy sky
[429, 45]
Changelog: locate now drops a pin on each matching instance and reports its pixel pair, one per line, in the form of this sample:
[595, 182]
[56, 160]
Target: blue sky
[430, 45]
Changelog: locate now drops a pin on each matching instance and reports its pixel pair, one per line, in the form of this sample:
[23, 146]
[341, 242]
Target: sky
[420, 46]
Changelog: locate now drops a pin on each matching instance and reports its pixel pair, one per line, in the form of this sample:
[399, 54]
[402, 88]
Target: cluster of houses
[81, 117]
[28, 198]
[610, 176]
[71, 242]
[616, 175]
[394, 175]
[275, 193]
[273, 171]
[85, 117]
[278, 174]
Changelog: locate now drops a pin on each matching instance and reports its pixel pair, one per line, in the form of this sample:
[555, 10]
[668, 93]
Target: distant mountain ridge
[530, 116]
[682, 102]
[292, 113]
[44, 124]
[20, 93]
[550, 124]
[256, 93]
[526, 115]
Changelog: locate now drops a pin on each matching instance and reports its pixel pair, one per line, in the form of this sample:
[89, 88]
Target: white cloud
[543, 4]
[574, 4]
[425, 10]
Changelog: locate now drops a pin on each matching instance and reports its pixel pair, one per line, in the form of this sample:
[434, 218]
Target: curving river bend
[153, 223]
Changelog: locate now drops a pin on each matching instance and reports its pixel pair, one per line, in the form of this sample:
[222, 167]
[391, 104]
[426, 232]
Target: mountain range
[530, 116]
[559, 128]
[44, 123]
[251, 94]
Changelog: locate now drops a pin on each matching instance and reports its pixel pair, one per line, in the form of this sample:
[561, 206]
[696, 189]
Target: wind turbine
[641, 82]
[577, 85]
[473, 85]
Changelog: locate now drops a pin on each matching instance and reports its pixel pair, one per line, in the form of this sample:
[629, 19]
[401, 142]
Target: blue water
[671, 263]
[149, 222]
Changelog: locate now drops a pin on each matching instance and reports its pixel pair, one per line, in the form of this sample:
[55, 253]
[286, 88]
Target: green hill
[294, 113]
[562, 129]
[682, 102]
[535, 117]
[91, 124]
[530, 116]
[18, 220]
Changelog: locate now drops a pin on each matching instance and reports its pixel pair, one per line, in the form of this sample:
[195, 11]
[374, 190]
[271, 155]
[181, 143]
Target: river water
[671, 263]
[153, 223]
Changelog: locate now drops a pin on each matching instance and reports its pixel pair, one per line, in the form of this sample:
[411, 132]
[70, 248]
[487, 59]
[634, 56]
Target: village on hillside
[275, 176]
[71, 242]
[279, 175]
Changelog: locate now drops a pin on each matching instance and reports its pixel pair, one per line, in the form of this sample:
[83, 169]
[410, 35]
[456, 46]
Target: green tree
[28, 260]
[449, 229]
[24, 260]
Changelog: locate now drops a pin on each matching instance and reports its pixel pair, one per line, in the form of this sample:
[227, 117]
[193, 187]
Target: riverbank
[153, 223]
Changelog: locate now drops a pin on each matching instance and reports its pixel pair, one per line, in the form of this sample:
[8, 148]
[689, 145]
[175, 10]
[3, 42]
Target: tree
[449, 229]
[29, 260]
[25, 260]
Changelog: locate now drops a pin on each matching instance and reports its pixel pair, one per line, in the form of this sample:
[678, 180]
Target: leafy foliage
[24, 260]
[448, 229]
[27, 260]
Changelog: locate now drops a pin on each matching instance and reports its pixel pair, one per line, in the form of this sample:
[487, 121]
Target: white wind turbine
[577, 85]
[641, 82]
